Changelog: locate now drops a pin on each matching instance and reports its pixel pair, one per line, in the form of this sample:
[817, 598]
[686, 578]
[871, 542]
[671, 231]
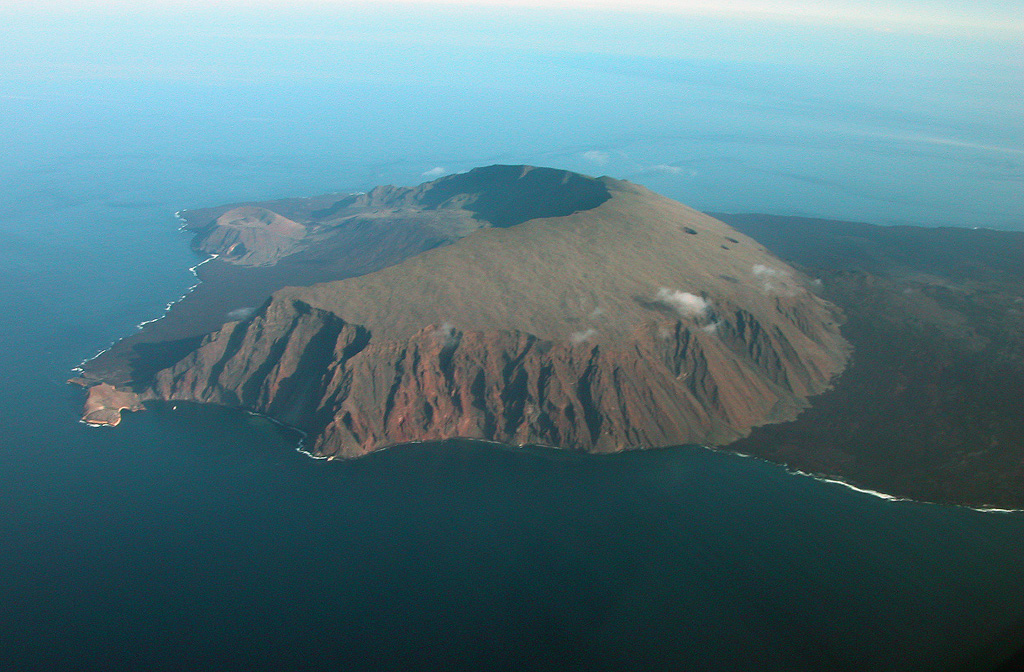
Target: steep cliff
[562, 310]
[667, 384]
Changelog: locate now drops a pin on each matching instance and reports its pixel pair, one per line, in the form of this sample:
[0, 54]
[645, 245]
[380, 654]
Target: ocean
[200, 538]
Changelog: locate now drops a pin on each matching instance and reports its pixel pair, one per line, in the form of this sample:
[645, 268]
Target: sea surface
[200, 538]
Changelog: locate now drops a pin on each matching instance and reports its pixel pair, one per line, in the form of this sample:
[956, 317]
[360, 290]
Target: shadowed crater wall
[510, 195]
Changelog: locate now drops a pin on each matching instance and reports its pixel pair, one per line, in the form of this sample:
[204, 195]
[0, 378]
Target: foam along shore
[892, 498]
[825, 478]
[170, 304]
[301, 445]
[193, 270]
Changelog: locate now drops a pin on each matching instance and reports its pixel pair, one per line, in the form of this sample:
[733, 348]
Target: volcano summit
[510, 303]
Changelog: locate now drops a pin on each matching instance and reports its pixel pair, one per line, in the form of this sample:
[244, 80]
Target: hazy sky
[821, 107]
[920, 15]
[111, 37]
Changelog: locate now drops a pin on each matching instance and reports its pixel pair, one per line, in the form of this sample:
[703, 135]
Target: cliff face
[354, 393]
[563, 310]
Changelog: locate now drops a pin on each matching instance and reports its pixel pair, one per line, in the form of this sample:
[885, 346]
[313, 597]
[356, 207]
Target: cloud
[923, 16]
[668, 169]
[684, 303]
[597, 157]
[240, 314]
[943, 142]
[578, 337]
[773, 280]
[936, 16]
[446, 334]
[596, 313]
[435, 172]
[710, 328]
[762, 271]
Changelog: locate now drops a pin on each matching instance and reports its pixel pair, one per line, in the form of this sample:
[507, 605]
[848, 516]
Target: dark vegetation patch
[932, 405]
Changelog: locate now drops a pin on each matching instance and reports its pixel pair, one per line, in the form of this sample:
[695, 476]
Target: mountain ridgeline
[513, 304]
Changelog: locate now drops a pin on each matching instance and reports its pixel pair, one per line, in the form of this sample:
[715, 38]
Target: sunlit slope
[634, 322]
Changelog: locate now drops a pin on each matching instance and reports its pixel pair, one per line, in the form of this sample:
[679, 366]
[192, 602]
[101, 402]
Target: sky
[812, 92]
[943, 16]
[87, 38]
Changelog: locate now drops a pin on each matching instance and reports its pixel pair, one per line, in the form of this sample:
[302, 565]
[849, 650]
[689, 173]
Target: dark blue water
[199, 538]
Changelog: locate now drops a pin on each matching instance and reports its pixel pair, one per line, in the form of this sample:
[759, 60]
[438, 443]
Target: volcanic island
[536, 306]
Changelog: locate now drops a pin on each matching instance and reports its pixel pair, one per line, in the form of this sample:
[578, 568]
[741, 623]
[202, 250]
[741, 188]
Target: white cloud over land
[240, 313]
[578, 337]
[774, 280]
[684, 303]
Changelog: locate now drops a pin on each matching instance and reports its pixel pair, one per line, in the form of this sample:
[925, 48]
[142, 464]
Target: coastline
[556, 450]
[301, 447]
[80, 367]
[837, 480]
